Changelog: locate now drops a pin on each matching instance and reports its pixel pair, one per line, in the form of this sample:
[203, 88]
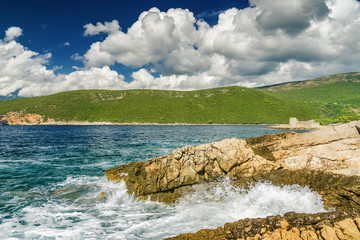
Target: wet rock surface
[310, 159]
[164, 176]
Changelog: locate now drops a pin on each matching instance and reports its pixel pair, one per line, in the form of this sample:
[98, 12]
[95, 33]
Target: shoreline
[134, 124]
[268, 126]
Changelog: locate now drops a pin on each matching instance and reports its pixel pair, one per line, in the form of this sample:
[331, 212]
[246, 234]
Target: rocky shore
[292, 226]
[327, 160]
[19, 118]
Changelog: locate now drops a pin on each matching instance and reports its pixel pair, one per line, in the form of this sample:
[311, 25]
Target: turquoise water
[35, 161]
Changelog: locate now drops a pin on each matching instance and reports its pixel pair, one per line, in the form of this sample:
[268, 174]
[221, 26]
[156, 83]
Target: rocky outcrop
[311, 159]
[3, 121]
[167, 177]
[232, 158]
[332, 148]
[18, 118]
[292, 226]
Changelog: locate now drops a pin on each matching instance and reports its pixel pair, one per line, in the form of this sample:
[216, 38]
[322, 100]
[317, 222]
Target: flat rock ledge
[292, 226]
[327, 160]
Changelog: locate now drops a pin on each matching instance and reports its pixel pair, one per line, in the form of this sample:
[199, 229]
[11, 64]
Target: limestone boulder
[231, 158]
[330, 149]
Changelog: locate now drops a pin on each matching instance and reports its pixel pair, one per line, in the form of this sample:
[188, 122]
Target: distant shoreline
[269, 126]
[138, 124]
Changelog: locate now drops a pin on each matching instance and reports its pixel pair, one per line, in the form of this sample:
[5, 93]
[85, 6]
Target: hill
[233, 105]
[335, 94]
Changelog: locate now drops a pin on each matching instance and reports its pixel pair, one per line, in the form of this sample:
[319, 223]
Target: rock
[335, 148]
[312, 159]
[102, 195]
[19, 118]
[292, 226]
[330, 149]
[191, 165]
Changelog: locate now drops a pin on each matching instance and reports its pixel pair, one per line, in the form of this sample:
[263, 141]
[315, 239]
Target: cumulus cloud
[267, 43]
[12, 33]
[291, 16]
[25, 71]
[107, 27]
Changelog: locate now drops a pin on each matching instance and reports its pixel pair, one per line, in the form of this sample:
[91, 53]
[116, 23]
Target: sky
[53, 46]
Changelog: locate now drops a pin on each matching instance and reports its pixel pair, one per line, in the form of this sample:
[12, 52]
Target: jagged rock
[333, 148]
[332, 225]
[311, 159]
[190, 165]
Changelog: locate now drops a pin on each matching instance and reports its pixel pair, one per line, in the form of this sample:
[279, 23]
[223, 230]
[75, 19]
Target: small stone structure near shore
[294, 123]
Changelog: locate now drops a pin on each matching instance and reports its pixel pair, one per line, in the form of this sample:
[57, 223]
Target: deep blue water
[35, 161]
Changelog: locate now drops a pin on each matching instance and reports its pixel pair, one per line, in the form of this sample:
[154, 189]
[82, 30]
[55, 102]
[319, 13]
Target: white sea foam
[76, 212]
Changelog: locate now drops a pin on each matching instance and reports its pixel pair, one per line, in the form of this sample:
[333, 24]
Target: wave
[75, 211]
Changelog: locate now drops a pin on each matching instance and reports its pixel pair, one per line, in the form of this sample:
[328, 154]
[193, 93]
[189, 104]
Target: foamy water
[35, 161]
[76, 212]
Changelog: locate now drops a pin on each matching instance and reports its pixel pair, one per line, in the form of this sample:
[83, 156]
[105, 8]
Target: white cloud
[77, 57]
[260, 45]
[25, 70]
[12, 33]
[107, 27]
[266, 43]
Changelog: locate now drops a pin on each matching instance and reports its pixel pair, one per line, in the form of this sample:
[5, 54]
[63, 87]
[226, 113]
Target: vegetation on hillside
[232, 105]
[338, 95]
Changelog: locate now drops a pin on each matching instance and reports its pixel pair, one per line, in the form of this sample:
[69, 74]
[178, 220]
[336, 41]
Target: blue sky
[53, 46]
[48, 25]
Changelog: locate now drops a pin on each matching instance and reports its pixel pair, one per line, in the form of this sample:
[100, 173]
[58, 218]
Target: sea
[51, 178]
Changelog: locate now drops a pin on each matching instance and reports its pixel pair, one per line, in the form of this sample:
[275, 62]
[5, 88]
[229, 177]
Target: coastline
[130, 124]
[268, 126]
[18, 118]
[312, 160]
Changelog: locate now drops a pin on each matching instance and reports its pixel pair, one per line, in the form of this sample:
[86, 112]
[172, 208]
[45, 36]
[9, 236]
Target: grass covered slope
[340, 87]
[220, 105]
[336, 94]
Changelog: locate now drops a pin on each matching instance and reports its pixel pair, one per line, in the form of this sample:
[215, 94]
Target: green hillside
[336, 94]
[219, 105]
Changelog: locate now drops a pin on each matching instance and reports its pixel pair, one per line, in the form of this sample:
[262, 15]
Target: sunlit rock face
[168, 177]
[311, 159]
[334, 225]
[18, 118]
[332, 148]
[165, 175]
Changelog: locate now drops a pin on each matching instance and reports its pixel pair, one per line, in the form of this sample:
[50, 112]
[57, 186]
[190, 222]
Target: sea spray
[52, 176]
[75, 210]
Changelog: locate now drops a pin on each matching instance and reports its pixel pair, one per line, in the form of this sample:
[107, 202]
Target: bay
[38, 161]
